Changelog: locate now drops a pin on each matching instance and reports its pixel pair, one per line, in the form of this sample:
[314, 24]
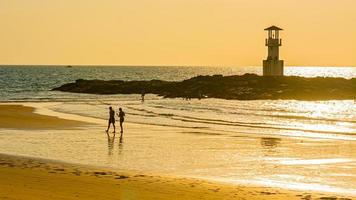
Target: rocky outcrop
[245, 87]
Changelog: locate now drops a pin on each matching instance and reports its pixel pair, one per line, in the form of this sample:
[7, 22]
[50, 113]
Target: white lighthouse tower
[273, 66]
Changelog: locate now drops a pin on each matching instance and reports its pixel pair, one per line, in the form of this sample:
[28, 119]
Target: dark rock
[245, 87]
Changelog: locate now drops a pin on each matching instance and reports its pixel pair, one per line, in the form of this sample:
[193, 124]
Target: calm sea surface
[34, 82]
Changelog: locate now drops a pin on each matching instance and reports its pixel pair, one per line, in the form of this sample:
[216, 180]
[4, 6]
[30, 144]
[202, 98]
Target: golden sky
[176, 32]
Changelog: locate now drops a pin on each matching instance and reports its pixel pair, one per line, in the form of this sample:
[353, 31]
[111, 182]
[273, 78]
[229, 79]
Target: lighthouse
[273, 66]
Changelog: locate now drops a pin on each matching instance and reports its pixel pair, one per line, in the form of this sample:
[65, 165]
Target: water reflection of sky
[320, 119]
[234, 157]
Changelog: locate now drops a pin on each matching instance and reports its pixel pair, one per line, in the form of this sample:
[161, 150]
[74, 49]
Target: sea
[320, 135]
[307, 118]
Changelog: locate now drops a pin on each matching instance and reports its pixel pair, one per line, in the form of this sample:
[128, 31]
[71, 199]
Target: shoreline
[259, 191]
[43, 179]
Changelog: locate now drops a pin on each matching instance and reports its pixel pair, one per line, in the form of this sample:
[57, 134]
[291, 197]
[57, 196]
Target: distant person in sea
[121, 115]
[143, 93]
[111, 119]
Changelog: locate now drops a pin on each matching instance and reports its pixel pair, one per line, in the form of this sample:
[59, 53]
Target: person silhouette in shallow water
[143, 93]
[121, 115]
[111, 119]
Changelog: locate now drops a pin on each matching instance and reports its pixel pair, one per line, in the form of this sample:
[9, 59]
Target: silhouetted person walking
[111, 119]
[121, 115]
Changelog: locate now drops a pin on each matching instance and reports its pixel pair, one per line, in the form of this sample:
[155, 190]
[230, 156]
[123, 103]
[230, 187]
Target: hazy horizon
[175, 32]
[118, 65]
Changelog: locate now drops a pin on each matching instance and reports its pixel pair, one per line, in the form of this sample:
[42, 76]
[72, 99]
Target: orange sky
[175, 32]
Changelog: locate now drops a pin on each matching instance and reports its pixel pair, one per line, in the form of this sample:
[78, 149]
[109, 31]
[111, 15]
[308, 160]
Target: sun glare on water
[325, 111]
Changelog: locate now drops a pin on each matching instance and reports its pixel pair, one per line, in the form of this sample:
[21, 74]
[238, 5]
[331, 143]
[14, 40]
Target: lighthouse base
[273, 68]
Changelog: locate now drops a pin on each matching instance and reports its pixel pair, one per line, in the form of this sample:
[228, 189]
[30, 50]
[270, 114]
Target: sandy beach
[28, 178]
[24, 117]
[35, 178]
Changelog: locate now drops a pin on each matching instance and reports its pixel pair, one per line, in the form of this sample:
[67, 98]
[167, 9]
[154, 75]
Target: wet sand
[33, 178]
[27, 178]
[24, 117]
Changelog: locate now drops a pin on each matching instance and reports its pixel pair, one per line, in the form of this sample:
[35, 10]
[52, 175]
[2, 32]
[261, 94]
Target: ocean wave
[260, 125]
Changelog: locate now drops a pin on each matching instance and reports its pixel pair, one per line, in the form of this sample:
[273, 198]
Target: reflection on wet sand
[111, 143]
[121, 144]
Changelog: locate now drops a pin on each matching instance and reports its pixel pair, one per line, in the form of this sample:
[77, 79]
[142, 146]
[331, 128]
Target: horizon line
[120, 65]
